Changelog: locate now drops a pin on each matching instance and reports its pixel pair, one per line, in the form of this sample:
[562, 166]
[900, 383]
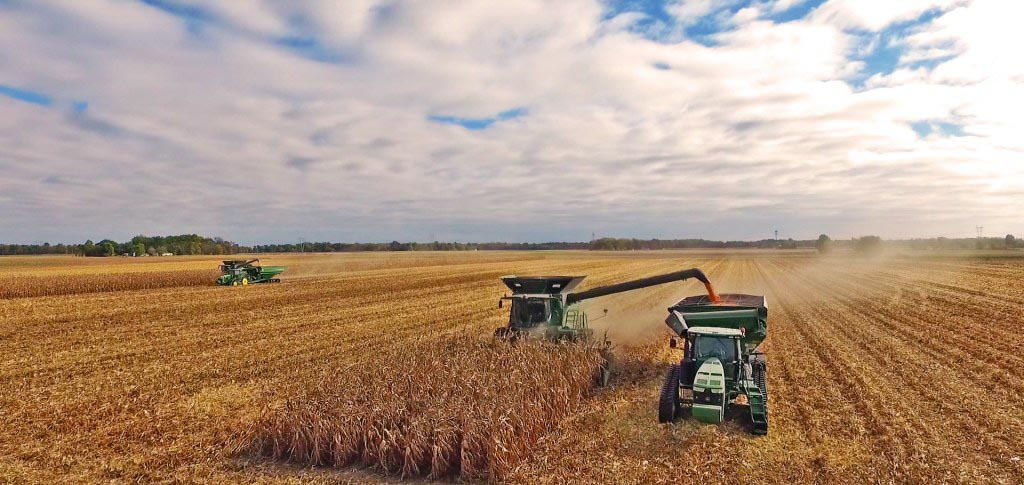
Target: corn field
[367, 367]
[463, 406]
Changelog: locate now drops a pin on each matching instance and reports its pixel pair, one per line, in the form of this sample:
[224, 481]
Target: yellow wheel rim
[234, 283]
[245, 281]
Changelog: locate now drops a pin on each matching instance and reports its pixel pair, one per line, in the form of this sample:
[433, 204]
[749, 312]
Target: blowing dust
[633, 319]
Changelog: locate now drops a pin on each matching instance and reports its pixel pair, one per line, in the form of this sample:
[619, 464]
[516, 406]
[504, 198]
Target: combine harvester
[243, 273]
[542, 306]
[723, 369]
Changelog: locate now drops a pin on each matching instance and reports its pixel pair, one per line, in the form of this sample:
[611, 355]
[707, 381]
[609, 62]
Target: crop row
[56, 285]
[463, 406]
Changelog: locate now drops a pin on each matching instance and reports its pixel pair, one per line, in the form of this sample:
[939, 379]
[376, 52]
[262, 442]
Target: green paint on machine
[546, 307]
[722, 367]
[243, 273]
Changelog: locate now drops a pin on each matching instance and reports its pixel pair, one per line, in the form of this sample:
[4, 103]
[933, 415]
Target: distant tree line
[615, 244]
[192, 244]
[138, 246]
[328, 247]
[1007, 242]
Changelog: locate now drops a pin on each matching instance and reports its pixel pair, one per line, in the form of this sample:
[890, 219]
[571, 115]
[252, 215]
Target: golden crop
[364, 365]
[462, 406]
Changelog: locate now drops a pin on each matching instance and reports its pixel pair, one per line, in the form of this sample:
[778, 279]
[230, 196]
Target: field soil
[883, 370]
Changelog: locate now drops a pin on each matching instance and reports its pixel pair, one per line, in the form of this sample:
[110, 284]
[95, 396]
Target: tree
[1011, 242]
[823, 244]
[140, 249]
[109, 249]
[868, 245]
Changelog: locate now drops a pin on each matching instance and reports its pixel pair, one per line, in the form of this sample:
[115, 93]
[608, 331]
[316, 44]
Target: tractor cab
[705, 343]
[237, 272]
[528, 312]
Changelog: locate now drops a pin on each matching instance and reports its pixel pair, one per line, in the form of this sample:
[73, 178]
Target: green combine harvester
[545, 307]
[243, 273]
[723, 370]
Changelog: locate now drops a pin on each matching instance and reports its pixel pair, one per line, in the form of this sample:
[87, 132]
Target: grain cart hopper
[544, 306]
[723, 370]
[242, 273]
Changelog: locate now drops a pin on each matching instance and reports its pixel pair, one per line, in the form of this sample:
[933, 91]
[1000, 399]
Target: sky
[521, 120]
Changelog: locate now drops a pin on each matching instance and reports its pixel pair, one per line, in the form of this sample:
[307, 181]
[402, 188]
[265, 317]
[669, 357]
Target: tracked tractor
[723, 371]
[242, 273]
[546, 307]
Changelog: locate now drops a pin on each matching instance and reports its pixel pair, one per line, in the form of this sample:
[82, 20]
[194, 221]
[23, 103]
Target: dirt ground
[905, 368]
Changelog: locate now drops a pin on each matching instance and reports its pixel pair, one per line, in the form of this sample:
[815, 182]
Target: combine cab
[242, 273]
[544, 306]
[722, 369]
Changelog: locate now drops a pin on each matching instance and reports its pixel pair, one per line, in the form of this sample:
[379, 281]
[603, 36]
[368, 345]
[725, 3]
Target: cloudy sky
[519, 120]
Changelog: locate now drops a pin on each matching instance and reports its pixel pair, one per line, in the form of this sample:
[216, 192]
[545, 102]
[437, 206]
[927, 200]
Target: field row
[888, 371]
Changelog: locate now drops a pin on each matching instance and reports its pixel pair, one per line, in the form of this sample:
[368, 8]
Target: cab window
[530, 312]
[722, 348]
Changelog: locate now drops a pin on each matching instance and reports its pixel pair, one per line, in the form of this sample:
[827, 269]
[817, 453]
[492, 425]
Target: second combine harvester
[721, 367]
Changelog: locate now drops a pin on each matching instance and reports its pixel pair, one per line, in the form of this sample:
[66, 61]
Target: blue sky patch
[25, 95]
[941, 128]
[884, 58]
[796, 12]
[659, 25]
[79, 107]
[661, 66]
[194, 17]
[310, 48]
[478, 123]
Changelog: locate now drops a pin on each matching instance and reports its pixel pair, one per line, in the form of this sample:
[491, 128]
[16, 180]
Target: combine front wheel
[245, 281]
[669, 401]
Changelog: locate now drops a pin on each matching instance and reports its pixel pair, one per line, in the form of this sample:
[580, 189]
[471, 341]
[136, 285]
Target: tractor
[243, 273]
[723, 370]
[546, 307]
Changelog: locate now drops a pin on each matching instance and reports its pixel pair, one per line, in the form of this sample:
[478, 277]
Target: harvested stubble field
[905, 369]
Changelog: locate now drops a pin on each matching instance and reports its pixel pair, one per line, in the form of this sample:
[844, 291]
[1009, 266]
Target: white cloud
[875, 15]
[225, 132]
[690, 11]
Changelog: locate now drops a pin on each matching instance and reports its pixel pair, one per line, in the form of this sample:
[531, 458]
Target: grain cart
[242, 273]
[544, 306]
[723, 370]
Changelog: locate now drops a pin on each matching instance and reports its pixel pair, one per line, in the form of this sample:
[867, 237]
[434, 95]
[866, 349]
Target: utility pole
[980, 230]
[776, 234]
[302, 244]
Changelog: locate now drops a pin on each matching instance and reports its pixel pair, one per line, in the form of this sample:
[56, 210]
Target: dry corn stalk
[461, 406]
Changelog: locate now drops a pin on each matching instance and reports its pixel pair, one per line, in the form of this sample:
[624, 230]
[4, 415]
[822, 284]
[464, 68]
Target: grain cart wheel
[669, 401]
[234, 283]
